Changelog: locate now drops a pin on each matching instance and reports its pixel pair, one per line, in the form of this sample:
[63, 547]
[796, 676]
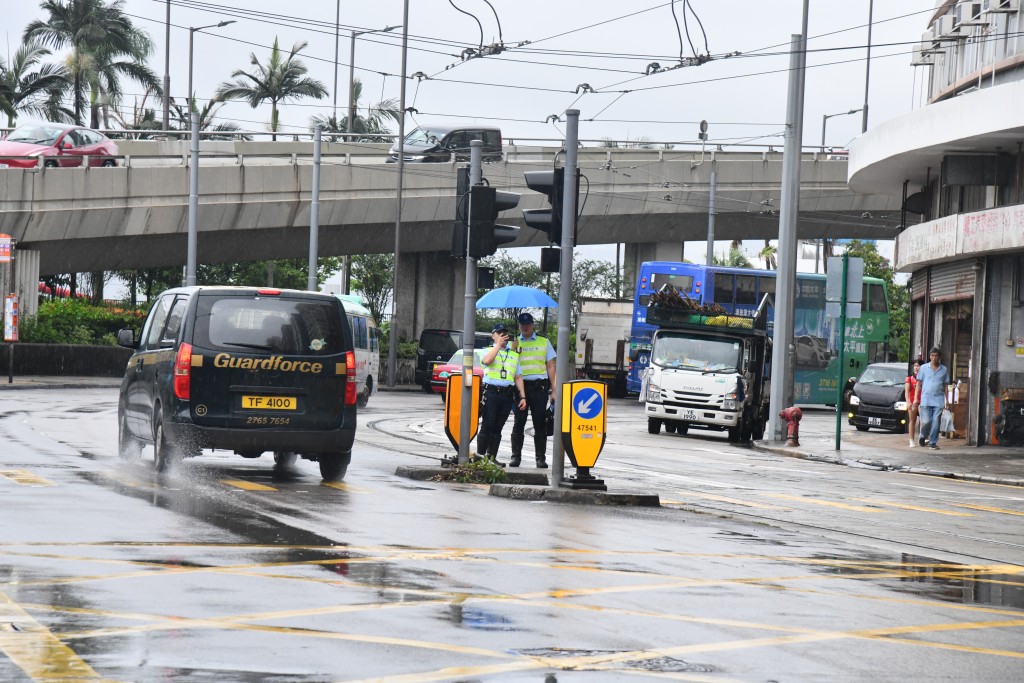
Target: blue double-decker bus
[738, 290]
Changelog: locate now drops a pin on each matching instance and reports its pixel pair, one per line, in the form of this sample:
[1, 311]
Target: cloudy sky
[607, 45]
[552, 48]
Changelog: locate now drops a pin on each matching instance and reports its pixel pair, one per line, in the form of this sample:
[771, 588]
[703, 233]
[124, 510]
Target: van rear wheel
[165, 455]
[333, 466]
[128, 447]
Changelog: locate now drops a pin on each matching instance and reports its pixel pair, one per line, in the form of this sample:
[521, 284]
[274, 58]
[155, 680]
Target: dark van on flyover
[448, 143]
[244, 369]
[878, 399]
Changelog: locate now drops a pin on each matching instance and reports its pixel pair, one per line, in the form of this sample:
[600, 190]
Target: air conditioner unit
[945, 27]
[968, 14]
[928, 40]
[1000, 5]
[921, 57]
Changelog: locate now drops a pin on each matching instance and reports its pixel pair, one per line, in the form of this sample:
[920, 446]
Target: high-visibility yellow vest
[533, 357]
[505, 359]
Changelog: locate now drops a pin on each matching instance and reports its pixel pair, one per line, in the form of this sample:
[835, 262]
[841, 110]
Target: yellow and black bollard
[584, 426]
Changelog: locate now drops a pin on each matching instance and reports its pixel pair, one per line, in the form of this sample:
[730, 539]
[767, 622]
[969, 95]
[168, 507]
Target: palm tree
[371, 127]
[206, 121]
[735, 259]
[105, 47]
[768, 254]
[279, 80]
[33, 92]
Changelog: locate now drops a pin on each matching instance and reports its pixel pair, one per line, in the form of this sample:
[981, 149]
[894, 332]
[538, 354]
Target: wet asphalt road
[756, 568]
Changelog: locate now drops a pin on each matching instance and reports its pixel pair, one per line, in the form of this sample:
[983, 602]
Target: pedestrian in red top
[910, 390]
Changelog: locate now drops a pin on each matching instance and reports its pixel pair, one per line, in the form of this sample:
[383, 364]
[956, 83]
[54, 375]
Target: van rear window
[441, 343]
[276, 325]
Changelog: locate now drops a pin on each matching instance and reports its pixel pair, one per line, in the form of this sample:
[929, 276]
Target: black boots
[540, 444]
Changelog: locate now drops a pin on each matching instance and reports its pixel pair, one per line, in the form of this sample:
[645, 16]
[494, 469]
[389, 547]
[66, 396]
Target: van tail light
[183, 372]
[350, 378]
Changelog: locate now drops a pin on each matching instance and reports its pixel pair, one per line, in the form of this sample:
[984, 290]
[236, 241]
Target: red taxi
[439, 379]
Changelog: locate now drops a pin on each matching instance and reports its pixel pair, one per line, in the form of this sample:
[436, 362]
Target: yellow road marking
[25, 478]
[737, 501]
[36, 651]
[828, 503]
[967, 481]
[342, 486]
[984, 508]
[247, 485]
[915, 507]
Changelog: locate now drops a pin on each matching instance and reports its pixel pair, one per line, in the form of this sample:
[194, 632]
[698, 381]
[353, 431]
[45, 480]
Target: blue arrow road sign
[587, 403]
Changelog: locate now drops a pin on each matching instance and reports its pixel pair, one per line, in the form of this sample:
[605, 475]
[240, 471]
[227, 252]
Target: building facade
[958, 161]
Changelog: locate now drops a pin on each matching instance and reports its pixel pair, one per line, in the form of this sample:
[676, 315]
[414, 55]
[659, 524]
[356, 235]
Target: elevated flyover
[254, 201]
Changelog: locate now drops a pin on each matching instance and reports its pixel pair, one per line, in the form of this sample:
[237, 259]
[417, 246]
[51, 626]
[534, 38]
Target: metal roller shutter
[952, 281]
[919, 283]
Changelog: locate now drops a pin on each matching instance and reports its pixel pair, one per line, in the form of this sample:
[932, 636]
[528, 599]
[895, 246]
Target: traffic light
[551, 183]
[479, 206]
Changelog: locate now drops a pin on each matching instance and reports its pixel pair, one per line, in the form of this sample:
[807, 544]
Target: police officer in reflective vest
[503, 390]
[537, 360]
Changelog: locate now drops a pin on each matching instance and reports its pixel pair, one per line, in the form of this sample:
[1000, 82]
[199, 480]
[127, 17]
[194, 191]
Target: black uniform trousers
[498, 404]
[537, 406]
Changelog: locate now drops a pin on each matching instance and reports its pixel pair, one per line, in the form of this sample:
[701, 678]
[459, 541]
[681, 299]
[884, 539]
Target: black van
[243, 369]
[440, 143]
[436, 347]
[878, 398]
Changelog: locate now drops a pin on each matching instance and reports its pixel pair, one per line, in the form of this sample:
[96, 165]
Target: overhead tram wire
[220, 8]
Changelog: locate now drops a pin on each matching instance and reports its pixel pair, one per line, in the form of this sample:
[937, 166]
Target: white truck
[707, 369]
[602, 340]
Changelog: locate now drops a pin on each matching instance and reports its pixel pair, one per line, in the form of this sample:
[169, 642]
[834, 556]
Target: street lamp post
[826, 117]
[352, 72]
[191, 35]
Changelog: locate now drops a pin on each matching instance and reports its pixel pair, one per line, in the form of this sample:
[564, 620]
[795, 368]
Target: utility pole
[867, 69]
[337, 39]
[572, 127]
[781, 395]
[314, 212]
[476, 156]
[711, 216]
[393, 331]
[193, 204]
[167, 68]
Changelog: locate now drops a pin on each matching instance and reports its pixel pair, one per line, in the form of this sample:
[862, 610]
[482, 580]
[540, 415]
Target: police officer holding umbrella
[537, 361]
[503, 391]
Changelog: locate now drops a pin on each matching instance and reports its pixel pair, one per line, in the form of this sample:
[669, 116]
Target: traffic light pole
[572, 125]
[469, 313]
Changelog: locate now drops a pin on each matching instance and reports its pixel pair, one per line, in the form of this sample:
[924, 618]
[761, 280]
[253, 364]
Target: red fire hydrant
[792, 417]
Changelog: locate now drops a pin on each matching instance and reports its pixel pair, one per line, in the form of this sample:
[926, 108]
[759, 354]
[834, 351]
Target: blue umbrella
[516, 296]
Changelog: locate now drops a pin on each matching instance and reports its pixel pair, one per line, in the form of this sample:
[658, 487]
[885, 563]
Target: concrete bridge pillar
[638, 252]
[25, 282]
[431, 292]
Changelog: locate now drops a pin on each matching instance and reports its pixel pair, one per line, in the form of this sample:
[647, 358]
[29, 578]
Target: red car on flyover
[56, 144]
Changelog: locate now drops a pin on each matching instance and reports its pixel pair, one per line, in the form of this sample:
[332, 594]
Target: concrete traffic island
[576, 496]
[441, 474]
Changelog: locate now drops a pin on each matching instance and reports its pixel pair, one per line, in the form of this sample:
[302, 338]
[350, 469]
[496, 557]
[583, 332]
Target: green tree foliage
[284, 274]
[181, 117]
[735, 258]
[106, 47]
[372, 276]
[72, 321]
[27, 87]
[282, 78]
[590, 278]
[370, 128]
[876, 265]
